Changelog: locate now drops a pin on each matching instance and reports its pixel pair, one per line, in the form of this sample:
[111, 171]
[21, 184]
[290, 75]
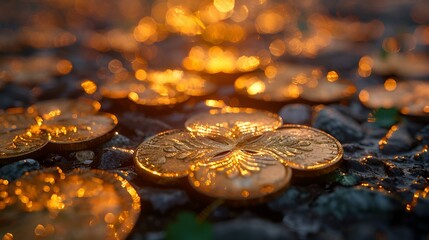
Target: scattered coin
[64, 108]
[121, 89]
[246, 118]
[80, 132]
[157, 95]
[402, 64]
[83, 204]
[324, 91]
[20, 136]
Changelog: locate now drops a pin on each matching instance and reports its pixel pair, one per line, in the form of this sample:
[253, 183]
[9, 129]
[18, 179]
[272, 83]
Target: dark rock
[118, 140]
[423, 135]
[392, 170]
[296, 114]
[163, 200]
[15, 170]
[293, 198]
[128, 173]
[347, 180]
[372, 130]
[302, 223]
[248, 229]
[114, 157]
[142, 125]
[422, 207]
[356, 203]
[397, 140]
[355, 110]
[344, 128]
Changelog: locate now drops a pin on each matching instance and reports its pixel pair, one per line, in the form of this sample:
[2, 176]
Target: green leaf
[188, 227]
[386, 117]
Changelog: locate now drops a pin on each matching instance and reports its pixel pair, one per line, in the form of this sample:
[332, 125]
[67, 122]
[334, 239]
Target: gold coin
[20, 136]
[157, 95]
[59, 108]
[21, 143]
[225, 119]
[121, 89]
[46, 204]
[402, 64]
[189, 83]
[16, 120]
[379, 96]
[324, 91]
[308, 151]
[239, 189]
[80, 132]
[169, 154]
[284, 84]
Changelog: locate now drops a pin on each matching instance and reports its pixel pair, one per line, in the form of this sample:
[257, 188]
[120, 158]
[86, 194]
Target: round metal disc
[309, 151]
[326, 91]
[59, 108]
[84, 204]
[240, 189]
[246, 119]
[80, 132]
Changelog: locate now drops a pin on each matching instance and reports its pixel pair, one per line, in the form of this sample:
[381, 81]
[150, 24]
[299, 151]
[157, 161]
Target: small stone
[114, 157]
[291, 199]
[356, 203]
[142, 125]
[342, 127]
[15, 170]
[163, 200]
[347, 180]
[296, 114]
[85, 157]
[392, 170]
[396, 141]
[250, 229]
[118, 140]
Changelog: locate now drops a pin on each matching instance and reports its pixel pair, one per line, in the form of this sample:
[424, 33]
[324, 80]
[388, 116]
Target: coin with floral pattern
[237, 161]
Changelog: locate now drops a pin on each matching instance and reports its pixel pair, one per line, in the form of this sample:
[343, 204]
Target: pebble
[296, 114]
[163, 200]
[251, 229]
[112, 158]
[397, 141]
[356, 203]
[15, 170]
[342, 127]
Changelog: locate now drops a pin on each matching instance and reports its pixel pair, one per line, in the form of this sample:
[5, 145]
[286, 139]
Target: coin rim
[301, 172]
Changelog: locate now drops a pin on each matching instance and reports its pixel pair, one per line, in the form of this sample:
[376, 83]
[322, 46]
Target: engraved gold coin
[59, 108]
[247, 119]
[79, 132]
[20, 136]
[241, 189]
[47, 204]
[309, 151]
[234, 163]
[16, 120]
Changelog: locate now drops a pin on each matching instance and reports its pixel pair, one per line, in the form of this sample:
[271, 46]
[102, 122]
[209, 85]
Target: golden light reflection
[89, 86]
[107, 201]
[216, 59]
[224, 5]
[390, 84]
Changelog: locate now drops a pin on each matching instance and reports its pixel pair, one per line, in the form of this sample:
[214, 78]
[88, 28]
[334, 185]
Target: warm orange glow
[224, 5]
[277, 47]
[332, 76]
[365, 66]
[64, 66]
[391, 45]
[270, 22]
[89, 86]
[390, 84]
[364, 96]
[141, 74]
[256, 87]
